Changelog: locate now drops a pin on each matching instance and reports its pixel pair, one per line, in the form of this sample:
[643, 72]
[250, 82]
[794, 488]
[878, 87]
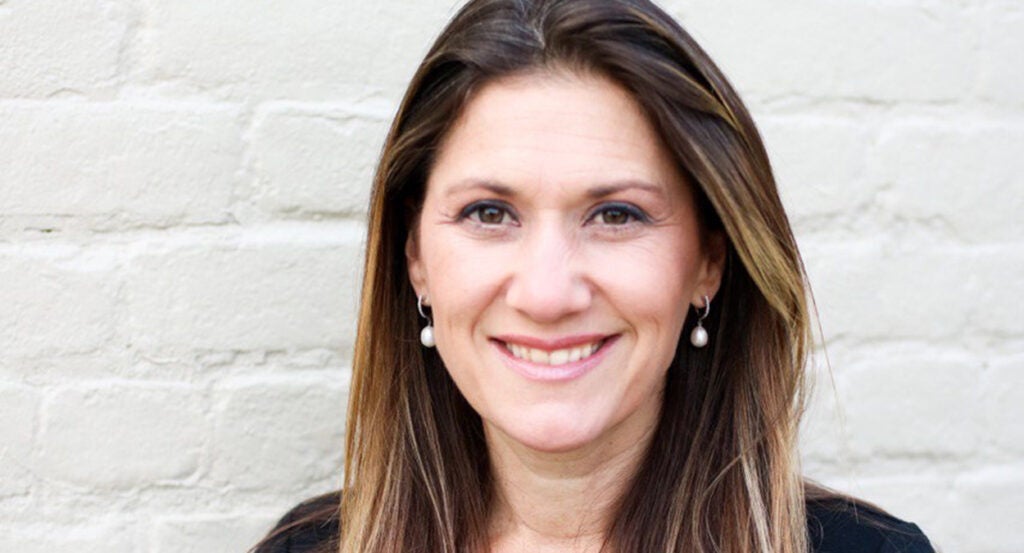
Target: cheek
[651, 280]
[464, 278]
[465, 283]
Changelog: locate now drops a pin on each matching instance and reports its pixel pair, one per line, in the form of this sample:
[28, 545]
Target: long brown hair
[721, 473]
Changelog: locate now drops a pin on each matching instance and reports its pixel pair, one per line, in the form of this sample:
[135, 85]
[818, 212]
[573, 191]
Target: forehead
[553, 128]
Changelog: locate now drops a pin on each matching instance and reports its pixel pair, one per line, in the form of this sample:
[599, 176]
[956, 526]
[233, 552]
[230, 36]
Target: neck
[561, 501]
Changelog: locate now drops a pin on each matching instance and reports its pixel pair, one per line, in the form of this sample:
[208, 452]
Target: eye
[618, 214]
[488, 213]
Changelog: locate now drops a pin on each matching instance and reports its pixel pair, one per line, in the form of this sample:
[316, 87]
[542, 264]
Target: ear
[710, 277]
[417, 274]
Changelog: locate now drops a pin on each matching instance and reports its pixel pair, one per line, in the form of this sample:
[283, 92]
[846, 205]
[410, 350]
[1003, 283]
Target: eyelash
[476, 208]
[636, 214]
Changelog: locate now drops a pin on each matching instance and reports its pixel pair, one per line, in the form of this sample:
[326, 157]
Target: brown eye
[488, 213]
[613, 216]
[619, 214]
[491, 215]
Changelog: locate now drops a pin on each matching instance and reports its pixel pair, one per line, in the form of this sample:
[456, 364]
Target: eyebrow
[471, 184]
[595, 192]
[618, 186]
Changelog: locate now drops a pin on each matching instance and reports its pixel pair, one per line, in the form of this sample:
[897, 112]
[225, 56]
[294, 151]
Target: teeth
[557, 357]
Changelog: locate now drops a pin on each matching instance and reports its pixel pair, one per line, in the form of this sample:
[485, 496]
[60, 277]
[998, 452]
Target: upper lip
[551, 344]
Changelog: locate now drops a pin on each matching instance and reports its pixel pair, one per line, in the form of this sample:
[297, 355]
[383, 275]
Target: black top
[835, 526]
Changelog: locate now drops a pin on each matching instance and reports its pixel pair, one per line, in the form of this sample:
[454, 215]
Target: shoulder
[840, 525]
[309, 527]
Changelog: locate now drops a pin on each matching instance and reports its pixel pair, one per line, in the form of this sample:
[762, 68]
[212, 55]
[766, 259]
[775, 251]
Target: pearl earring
[427, 334]
[699, 336]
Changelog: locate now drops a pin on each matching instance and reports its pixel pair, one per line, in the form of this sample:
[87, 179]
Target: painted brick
[280, 434]
[300, 50]
[206, 534]
[961, 176]
[51, 305]
[874, 290]
[913, 405]
[288, 293]
[118, 436]
[996, 284]
[819, 163]
[990, 496]
[53, 48]
[315, 162]
[18, 411]
[856, 50]
[182, 187]
[821, 429]
[98, 536]
[1000, 77]
[1003, 391]
[140, 162]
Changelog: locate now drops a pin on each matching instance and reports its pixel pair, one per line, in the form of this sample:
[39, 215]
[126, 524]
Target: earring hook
[707, 309]
[419, 307]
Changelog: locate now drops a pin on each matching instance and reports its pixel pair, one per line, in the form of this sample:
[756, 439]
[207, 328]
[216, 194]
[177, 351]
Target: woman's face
[559, 249]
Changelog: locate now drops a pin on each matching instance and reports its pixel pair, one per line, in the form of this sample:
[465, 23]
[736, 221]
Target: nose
[548, 282]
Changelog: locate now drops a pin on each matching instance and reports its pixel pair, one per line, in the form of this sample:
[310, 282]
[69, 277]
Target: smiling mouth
[554, 357]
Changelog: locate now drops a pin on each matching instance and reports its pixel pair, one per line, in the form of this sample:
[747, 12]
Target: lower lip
[554, 373]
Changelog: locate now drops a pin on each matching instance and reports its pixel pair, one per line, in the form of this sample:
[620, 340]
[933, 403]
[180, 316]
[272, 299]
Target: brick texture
[61, 49]
[183, 188]
[119, 436]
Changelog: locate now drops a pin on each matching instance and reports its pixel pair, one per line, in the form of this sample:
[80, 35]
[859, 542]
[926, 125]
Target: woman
[584, 324]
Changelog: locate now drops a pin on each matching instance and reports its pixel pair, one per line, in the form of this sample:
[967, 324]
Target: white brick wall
[182, 187]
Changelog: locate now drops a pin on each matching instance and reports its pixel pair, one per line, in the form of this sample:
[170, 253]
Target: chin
[554, 434]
